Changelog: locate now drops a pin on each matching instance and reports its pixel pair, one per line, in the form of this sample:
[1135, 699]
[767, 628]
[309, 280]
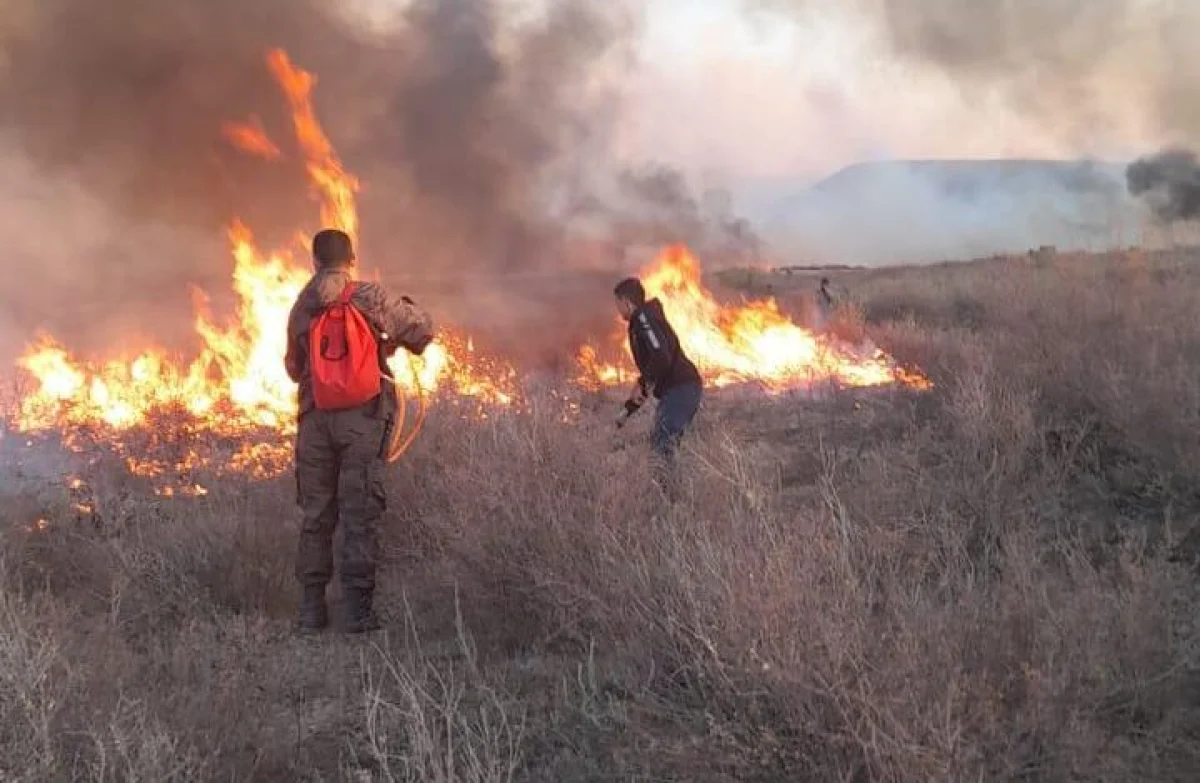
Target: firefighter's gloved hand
[639, 394]
[631, 407]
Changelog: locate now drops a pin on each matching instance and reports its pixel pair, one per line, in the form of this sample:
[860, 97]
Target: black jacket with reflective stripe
[656, 351]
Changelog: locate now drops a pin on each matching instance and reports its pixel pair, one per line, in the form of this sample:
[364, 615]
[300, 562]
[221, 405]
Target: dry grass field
[993, 580]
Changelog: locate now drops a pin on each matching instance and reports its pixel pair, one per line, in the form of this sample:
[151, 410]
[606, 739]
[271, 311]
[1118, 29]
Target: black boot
[360, 615]
[314, 615]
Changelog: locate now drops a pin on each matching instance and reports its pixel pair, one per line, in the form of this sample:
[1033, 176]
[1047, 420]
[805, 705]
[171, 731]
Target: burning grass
[236, 388]
[987, 580]
[237, 384]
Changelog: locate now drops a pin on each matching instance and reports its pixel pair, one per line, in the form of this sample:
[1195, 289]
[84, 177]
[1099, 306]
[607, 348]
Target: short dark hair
[331, 247]
[631, 288]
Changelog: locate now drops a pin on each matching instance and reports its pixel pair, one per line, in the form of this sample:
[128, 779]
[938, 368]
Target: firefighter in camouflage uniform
[340, 453]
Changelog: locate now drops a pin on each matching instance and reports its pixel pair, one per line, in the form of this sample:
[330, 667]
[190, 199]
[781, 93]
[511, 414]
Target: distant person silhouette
[825, 305]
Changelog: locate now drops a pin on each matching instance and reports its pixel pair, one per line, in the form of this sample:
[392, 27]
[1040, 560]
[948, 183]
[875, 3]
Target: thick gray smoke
[1170, 183]
[116, 185]
[914, 211]
[1074, 71]
[654, 206]
[1076, 65]
[130, 99]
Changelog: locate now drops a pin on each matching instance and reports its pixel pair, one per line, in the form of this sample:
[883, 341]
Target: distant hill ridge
[908, 210]
[967, 174]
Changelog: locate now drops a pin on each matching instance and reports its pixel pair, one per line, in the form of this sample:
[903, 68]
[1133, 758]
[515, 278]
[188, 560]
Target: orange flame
[336, 186]
[237, 382]
[754, 343]
[250, 137]
[236, 385]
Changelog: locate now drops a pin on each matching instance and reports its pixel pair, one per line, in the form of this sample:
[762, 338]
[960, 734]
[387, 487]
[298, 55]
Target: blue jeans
[676, 409]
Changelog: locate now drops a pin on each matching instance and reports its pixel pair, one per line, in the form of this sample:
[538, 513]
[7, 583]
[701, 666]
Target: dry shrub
[848, 323]
[964, 584]
[31, 686]
[134, 747]
[438, 722]
[1106, 344]
[927, 619]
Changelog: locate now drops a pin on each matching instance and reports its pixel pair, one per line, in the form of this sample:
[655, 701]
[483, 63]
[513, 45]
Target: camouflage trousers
[339, 479]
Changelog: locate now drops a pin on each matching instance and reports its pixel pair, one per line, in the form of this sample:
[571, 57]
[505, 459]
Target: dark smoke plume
[654, 206]
[661, 204]
[117, 184]
[1169, 181]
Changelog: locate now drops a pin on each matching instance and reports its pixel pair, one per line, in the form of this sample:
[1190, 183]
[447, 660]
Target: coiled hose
[397, 444]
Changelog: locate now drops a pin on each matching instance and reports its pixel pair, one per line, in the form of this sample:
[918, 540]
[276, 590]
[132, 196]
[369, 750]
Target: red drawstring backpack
[343, 356]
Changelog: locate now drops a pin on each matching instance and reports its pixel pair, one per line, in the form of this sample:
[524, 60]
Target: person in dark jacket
[665, 371]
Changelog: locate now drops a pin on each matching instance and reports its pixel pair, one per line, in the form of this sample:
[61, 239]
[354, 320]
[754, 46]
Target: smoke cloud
[1076, 79]
[483, 133]
[654, 205]
[914, 211]
[473, 129]
[1080, 68]
[1170, 183]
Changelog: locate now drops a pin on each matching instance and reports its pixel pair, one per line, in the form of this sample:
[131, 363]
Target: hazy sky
[745, 94]
[725, 88]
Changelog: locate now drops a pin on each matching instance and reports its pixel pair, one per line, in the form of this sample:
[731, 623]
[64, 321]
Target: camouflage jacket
[404, 323]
